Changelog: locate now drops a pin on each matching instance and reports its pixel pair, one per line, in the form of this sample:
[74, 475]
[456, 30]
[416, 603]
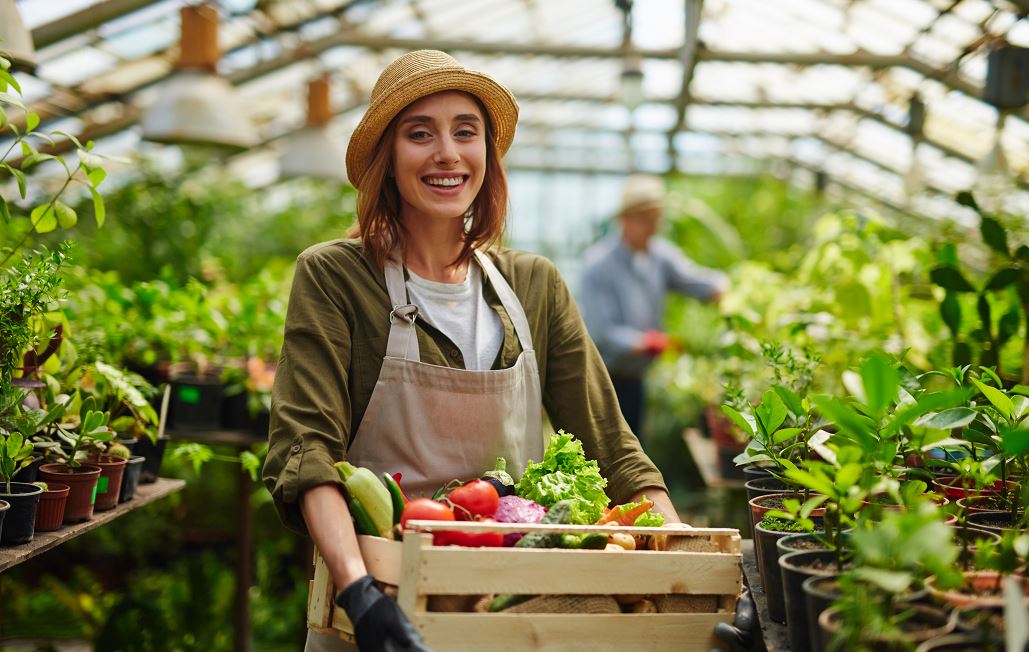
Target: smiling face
[439, 156]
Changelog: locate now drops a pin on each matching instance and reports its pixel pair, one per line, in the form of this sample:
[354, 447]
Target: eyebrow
[424, 119]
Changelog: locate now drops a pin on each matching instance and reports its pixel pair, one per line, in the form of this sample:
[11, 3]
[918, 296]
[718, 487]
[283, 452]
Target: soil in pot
[82, 482]
[993, 521]
[50, 514]
[966, 554]
[20, 522]
[154, 454]
[925, 624]
[108, 486]
[985, 503]
[767, 552]
[129, 481]
[806, 541]
[797, 567]
[761, 505]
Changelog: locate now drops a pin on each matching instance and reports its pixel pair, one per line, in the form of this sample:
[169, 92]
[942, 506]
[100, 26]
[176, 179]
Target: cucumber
[362, 521]
[593, 541]
[505, 600]
[396, 495]
[561, 513]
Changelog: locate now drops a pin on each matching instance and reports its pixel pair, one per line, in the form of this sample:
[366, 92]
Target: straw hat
[642, 191]
[413, 76]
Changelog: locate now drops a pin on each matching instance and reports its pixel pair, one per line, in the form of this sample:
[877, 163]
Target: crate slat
[459, 632]
[447, 570]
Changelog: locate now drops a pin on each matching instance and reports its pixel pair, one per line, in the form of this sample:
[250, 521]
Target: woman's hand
[662, 503]
[379, 624]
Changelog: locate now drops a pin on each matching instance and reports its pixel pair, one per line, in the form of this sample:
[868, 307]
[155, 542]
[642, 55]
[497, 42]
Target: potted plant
[76, 442]
[23, 498]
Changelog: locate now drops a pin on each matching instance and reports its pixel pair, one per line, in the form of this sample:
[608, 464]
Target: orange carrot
[626, 514]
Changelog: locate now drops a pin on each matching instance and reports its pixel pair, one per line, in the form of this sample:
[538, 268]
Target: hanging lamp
[313, 151]
[197, 106]
[15, 38]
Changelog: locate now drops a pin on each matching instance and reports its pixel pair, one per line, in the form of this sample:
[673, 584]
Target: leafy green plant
[15, 454]
[1008, 285]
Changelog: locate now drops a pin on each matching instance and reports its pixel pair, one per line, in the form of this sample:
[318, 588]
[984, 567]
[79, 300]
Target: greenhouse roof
[812, 89]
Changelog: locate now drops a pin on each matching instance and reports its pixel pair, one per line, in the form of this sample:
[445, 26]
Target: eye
[419, 134]
[466, 132]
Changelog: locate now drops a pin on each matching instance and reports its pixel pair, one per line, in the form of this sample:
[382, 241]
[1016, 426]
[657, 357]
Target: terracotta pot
[954, 487]
[982, 583]
[108, 486]
[761, 505]
[82, 483]
[50, 514]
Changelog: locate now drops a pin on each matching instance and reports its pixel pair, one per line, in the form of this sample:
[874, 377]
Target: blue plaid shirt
[623, 294]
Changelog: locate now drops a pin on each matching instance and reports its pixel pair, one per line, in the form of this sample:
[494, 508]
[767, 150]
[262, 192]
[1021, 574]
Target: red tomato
[475, 499]
[424, 509]
[470, 539]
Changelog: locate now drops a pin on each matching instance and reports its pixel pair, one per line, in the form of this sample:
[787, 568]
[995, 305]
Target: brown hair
[378, 205]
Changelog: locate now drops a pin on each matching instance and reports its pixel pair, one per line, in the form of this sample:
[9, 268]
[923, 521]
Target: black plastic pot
[794, 571]
[261, 425]
[154, 454]
[767, 552]
[996, 522]
[4, 508]
[235, 414]
[20, 523]
[129, 481]
[754, 471]
[30, 473]
[765, 485]
[819, 594]
[196, 402]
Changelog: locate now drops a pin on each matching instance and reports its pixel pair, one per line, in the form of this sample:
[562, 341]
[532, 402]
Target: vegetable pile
[562, 488]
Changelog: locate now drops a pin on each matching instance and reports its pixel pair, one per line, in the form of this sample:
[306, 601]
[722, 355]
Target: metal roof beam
[693, 11]
[84, 20]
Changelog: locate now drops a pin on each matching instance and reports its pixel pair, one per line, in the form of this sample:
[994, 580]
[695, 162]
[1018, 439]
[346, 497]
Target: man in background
[626, 278]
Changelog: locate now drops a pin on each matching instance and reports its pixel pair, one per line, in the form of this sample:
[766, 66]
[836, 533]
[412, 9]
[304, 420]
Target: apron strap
[508, 299]
[403, 340]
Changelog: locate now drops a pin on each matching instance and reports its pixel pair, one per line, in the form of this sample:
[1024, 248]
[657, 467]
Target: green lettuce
[649, 519]
[566, 474]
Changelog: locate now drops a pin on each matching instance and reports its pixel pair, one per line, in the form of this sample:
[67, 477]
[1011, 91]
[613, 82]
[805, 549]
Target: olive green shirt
[337, 325]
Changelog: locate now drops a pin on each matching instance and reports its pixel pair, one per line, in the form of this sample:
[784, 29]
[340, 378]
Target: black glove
[740, 634]
[379, 624]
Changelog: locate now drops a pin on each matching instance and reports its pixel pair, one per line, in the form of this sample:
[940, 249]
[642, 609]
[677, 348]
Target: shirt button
[296, 449]
[454, 353]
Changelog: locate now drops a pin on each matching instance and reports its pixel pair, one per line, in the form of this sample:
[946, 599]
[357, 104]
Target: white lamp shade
[198, 108]
[15, 39]
[314, 152]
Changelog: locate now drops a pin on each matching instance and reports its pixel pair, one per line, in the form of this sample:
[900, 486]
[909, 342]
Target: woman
[420, 346]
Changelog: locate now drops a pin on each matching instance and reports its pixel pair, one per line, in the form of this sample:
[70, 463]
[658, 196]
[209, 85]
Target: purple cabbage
[513, 509]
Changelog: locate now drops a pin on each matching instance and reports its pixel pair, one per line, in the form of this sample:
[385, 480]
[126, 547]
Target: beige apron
[434, 424]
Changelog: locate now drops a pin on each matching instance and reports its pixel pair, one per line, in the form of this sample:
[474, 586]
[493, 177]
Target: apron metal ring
[406, 312]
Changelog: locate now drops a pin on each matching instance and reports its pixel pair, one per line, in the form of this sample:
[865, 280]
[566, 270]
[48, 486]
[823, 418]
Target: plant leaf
[785, 435]
[880, 381]
[66, 215]
[998, 398]
[44, 218]
[1004, 278]
[994, 235]
[739, 420]
[1016, 442]
[99, 212]
[951, 279]
[771, 413]
[958, 417]
[888, 580]
[950, 310]
[965, 198]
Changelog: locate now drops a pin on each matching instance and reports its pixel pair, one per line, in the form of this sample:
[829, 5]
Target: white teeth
[453, 181]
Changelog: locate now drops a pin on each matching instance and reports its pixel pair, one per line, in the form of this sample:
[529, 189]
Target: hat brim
[499, 103]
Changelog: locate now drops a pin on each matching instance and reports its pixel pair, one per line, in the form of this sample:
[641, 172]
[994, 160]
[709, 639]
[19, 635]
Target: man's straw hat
[642, 191]
[413, 76]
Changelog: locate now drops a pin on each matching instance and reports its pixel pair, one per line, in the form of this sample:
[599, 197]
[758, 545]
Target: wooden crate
[700, 562]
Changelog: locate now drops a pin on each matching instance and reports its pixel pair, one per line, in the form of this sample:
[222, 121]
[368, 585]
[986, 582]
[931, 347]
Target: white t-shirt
[459, 311]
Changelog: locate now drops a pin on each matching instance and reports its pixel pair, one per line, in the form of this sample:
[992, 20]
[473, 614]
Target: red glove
[653, 343]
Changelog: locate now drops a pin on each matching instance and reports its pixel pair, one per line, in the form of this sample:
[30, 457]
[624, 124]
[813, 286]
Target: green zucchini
[396, 495]
[506, 600]
[362, 521]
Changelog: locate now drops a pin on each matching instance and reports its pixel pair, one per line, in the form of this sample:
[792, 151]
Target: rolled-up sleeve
[311, 411]
[685, 276]
[579, 398]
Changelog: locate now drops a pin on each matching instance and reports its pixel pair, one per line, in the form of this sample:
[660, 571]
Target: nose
[446, 151]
